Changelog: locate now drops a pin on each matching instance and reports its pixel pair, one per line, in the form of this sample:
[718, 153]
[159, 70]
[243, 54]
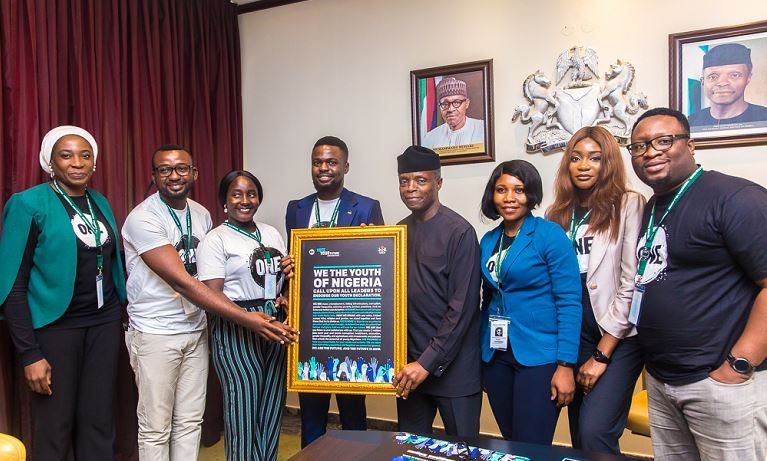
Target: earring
[225, 210]
[94, 167]
[50, 168]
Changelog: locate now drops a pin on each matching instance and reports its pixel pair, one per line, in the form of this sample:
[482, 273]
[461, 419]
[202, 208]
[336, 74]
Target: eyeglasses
[182, 169]
[456, 104]
[660, 144]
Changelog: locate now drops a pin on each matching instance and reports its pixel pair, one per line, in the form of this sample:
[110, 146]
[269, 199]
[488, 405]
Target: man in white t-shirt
[458, 129]
[167, 340]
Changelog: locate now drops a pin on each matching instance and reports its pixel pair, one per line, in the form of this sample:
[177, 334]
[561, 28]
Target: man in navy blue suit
[331, 206]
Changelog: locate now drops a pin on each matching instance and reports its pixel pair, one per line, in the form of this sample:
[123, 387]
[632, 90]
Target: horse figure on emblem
[542, 105]
[613, 96]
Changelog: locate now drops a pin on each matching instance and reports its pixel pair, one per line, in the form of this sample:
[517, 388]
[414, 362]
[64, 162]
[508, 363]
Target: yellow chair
[11, 449]
[639, 417]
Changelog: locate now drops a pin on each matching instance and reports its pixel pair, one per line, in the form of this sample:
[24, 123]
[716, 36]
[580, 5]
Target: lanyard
[501, 257]
[333, 217]
[254, 236]
[574, 227]
[93, 224]
[652, 228]
[188, 241]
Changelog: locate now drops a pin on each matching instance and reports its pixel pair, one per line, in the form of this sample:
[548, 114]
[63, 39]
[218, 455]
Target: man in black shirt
[701, 299]
[443, 370]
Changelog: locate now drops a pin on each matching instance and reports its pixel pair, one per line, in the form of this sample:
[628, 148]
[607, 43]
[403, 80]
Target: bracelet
[600, 357]
[562, 363]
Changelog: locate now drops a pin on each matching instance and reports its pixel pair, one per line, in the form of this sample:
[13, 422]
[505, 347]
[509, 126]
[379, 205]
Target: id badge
[270, 285]
[499, 333]
[636, 303]
[100, 290]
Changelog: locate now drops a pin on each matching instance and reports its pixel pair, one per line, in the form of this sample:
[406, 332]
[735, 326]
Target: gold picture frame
[348, 297]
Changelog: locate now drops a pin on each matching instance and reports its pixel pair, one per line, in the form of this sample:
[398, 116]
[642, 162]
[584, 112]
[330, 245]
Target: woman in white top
[602, 217]
[241, 258]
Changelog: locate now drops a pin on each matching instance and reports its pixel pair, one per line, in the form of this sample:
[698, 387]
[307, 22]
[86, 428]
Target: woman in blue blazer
[532, 306]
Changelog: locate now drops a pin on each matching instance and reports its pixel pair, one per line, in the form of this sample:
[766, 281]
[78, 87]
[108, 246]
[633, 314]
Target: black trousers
[314, 414]
[78, 418]
[460, 414]
[597, 419]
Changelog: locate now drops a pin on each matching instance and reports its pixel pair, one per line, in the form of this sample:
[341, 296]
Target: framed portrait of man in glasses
[719, 81]
[452, 111]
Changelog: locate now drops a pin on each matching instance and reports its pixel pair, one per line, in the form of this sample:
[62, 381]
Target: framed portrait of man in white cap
[452, 111]
[719, 81]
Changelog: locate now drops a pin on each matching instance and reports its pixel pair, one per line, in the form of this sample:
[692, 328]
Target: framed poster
[348, 298]
[452, 111]
[718, 79]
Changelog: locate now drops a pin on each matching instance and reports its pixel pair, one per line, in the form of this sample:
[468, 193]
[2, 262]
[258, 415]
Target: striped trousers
[252, 374]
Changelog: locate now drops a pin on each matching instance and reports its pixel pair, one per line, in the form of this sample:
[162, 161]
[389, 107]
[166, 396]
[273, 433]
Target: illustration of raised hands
[343, 372]
[329, 368]
[348, 362]
[321, 372]
[313, 368]
[360, 362]
[300, 369]
[364, 373]
[305, 375]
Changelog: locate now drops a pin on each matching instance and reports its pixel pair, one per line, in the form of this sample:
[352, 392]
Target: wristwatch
[740, 364]
[601, 357]
[562, 363]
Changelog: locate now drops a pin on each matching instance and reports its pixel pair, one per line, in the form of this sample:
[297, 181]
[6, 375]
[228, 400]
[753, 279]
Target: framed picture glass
[452, 111]
[719, 81]
[348, 299]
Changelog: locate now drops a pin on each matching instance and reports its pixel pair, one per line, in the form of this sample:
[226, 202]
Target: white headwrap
[52, 137]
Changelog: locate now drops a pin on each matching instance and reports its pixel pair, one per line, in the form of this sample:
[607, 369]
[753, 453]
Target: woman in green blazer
[62, 289]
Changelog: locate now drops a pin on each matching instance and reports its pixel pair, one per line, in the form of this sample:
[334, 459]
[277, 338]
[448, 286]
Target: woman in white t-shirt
[241, 258]
[602, 217]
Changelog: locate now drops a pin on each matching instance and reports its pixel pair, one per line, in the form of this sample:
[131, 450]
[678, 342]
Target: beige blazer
[612, 268]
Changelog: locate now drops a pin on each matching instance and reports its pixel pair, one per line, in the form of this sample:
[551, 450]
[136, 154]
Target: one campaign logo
[382, 250]
[657, 256]
[85, 234]
[191, 263]
[260, 265]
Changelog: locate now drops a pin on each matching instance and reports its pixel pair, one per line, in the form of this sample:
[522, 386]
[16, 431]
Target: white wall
[341, 67]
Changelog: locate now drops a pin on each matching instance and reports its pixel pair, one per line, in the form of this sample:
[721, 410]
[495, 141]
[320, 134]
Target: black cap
[417, 158]
[729, 53]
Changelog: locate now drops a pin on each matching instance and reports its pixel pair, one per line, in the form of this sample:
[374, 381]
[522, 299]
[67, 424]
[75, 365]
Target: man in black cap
[726, 74]
[443, 306]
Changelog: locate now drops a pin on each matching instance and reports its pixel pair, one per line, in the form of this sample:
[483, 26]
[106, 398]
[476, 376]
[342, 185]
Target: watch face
[740, 365]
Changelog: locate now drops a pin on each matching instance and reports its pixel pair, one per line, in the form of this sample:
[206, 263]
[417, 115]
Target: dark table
[358, 445]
